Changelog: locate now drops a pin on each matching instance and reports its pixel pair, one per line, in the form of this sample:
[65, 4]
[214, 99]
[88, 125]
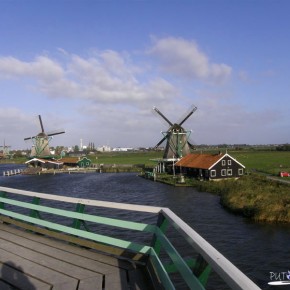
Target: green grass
[126, 158]
[253, 196]
[258, 198]
[271, 162]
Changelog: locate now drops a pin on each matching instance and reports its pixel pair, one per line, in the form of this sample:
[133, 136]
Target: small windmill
[41, 141]
[6, 151]
[176, 136]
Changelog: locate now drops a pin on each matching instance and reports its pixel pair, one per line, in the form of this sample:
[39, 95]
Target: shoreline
[255, 197]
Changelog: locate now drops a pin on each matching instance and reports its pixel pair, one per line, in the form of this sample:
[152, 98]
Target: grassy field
[271, 162]
[126, 158]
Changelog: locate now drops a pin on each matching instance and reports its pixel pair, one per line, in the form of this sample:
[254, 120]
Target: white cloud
[107, 77]
[184, 59]
[42, 67]
[108, 96]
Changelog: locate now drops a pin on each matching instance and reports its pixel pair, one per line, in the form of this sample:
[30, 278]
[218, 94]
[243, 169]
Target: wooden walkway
[31, 261]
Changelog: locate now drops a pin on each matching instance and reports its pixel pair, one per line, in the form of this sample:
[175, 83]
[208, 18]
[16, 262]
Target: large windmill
[41, 141]
[177, 143]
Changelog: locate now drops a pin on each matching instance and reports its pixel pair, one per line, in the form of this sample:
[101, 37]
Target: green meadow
[135, 157]
[271, 162]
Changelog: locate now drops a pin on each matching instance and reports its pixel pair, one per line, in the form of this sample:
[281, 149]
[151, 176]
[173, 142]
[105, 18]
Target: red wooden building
[210, 167]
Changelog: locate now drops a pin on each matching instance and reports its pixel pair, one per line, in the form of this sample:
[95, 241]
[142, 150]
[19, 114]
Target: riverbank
[253, 196]
[265, 201]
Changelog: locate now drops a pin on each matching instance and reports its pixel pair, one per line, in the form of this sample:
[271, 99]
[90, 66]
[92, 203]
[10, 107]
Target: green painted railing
[25, 207]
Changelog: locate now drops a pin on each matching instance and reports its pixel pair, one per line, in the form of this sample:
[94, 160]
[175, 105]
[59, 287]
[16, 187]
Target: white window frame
[229, 162]
[213, 173]
[224, 172]
[229, 172]
[241, 171]
[223, 162]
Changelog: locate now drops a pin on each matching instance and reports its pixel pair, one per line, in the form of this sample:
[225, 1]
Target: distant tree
[58, 149]
[17, 153]
[76, 148]
[284, 147]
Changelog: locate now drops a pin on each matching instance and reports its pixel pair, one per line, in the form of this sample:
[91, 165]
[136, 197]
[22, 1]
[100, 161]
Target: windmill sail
[177, 137]
[41, 141]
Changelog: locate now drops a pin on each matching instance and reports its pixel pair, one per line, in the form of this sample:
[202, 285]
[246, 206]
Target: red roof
[70, 160]
[203, 161]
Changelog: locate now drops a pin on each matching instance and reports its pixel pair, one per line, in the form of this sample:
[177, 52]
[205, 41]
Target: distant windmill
[5, 150]
[41, 142]
[176, 136]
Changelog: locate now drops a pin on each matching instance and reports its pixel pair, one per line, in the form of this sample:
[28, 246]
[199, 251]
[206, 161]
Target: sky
[97, 68]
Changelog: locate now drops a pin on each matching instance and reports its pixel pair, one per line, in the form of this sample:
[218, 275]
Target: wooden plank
[114, 270]
[90, 283]
[39, 272]
[79, 241]
[106, 259]
[116, 282]
[70, 257]
[55, 262]
[4, 286]
[13, 276]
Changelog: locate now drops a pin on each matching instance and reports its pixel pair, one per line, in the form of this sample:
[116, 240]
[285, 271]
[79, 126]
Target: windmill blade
[41, 124]
[161, 141]
[192, 110]
[190, 142]
[57, 132]
[190, 145]
[31, 137]
[160, 114]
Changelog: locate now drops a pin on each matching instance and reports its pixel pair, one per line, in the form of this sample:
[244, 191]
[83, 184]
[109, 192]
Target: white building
[122, 149]
[104, 148]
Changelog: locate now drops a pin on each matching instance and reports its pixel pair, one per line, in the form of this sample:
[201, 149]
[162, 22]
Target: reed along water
[257, 249]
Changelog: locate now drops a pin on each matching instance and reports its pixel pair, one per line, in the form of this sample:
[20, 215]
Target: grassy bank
[253, 196]
[259, 199]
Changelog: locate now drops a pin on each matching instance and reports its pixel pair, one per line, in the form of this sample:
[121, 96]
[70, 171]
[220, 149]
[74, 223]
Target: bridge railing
[26, 209]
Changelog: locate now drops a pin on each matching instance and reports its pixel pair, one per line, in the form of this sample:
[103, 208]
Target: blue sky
[96, 69]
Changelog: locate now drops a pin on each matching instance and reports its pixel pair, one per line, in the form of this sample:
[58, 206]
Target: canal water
[259, 250]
